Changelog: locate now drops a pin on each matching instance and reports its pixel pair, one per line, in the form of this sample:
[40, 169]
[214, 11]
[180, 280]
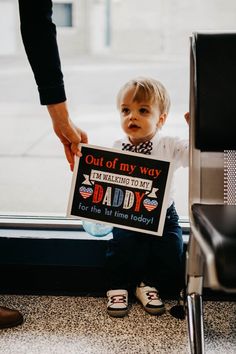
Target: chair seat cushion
[217, 226]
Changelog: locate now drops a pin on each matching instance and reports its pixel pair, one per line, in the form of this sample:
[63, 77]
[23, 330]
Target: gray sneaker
[117, 305]
[149, 298]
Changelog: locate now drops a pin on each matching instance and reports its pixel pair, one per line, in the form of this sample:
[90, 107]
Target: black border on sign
[120, 188]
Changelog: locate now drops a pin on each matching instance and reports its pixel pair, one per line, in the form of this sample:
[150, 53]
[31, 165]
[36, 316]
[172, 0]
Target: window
[62, 14]
[144, 39]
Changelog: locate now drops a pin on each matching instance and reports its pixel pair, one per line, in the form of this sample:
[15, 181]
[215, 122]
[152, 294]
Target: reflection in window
[62, 14]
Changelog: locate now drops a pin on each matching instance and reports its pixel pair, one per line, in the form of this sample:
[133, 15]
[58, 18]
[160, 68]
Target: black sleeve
[39, 38]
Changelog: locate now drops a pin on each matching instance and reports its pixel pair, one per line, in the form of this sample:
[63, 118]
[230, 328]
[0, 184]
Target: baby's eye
[125, 110]
[143, 110]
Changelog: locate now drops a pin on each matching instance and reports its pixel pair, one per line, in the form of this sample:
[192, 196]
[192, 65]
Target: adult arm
[40, 42]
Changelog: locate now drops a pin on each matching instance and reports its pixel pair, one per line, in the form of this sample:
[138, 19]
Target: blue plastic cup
[96, 229]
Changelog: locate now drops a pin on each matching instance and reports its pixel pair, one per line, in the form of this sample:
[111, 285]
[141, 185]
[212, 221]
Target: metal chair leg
[195, 323]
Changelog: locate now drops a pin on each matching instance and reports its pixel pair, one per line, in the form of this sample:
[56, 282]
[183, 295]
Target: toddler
[146, 263]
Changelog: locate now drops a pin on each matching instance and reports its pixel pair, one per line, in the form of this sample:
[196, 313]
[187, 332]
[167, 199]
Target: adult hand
[187, 117]
[70, 135]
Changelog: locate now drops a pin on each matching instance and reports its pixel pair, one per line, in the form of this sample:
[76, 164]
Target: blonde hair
[149, 90]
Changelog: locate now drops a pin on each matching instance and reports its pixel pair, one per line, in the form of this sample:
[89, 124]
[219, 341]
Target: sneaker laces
[150, 294]
[117, 299]
[153, 298]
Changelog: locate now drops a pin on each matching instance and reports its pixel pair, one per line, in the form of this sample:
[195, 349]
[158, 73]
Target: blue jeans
[133, 257]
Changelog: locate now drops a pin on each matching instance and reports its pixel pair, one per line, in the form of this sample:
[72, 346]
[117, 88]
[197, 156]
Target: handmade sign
[124, 189]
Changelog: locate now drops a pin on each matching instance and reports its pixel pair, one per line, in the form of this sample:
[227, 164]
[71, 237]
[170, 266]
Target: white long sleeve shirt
[168, 148]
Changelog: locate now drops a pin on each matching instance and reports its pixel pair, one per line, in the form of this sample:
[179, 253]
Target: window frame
[57, 223]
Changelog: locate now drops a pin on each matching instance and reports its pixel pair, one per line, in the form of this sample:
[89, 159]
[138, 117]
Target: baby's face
[139, 120]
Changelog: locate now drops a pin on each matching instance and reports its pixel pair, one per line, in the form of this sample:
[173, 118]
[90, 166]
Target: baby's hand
[187, 117]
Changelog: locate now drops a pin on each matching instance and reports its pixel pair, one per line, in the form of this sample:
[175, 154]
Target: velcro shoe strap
[149, 296]
[148, 289]
[117, 292]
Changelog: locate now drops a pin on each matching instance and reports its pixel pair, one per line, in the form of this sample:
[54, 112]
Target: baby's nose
[132, 115]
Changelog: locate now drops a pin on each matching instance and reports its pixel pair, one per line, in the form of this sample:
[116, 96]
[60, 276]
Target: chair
[211, 254]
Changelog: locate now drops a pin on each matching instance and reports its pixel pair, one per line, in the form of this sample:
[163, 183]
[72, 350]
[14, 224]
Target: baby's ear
[162, 120]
